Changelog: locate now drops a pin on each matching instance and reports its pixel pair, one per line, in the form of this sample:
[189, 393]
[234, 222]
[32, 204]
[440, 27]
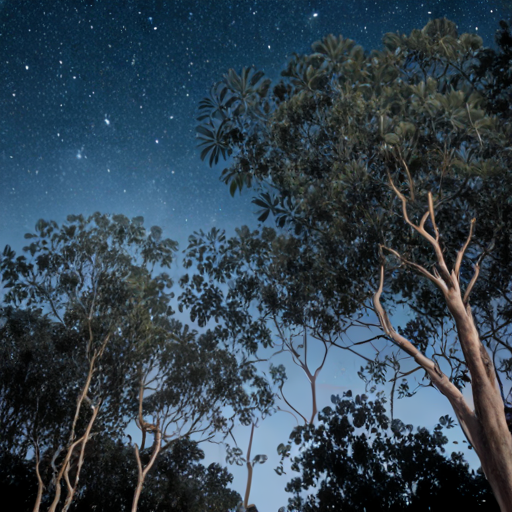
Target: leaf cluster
[87, 325]
[358, 458]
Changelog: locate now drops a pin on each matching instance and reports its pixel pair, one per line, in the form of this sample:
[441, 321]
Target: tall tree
[89, 344]
[352, 152]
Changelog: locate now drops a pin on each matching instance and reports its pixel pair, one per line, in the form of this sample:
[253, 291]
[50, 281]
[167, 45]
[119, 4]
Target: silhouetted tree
[88, 344]
[358, 459]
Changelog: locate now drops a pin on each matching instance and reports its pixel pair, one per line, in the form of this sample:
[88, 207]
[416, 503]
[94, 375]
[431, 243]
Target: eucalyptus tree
[380, 161]
[239, 283]
[90, 344]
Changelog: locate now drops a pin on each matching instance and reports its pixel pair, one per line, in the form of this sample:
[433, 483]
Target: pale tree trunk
[485, 427]
[82, 397]
[65, 466]
[312, 377]
[249, 469]
[60, 473]
[72, 488]
[142, 472]
[157, 445]
[40, 485]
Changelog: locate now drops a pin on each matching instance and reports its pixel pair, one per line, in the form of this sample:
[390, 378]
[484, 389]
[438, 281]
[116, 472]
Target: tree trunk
[495, 446]
[40, 485]
[142, 473]
[486, 427]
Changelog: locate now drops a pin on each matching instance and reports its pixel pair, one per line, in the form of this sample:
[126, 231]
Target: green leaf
[260, 459]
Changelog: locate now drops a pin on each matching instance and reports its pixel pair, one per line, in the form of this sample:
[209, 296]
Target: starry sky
[98, 100]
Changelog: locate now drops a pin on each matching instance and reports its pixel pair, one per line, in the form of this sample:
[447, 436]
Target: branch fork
[485, 427]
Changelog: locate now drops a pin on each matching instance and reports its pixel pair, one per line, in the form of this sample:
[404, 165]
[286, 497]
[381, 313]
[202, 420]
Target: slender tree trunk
[72, 488]
[249, 469]
[97, 354]
[157, 445]
[40, 485]
[58, 478]
[72, 445]
[142, 473]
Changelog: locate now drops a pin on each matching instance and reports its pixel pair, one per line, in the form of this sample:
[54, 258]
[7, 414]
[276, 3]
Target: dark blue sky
[98, 102]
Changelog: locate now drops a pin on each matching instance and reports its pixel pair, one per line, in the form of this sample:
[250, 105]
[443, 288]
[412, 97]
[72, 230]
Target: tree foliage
[178, 482]
[320, 147]
[382, 160]
[358, 459]
[89, 344]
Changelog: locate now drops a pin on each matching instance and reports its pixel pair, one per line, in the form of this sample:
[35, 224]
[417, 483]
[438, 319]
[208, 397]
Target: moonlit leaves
[213, 141]
[234, 456]
[283, 450]
[446, 421]
[235, 95]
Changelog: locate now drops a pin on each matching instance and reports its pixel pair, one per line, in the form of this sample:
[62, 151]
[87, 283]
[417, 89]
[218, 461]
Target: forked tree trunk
[485, 427]
[142, 472]
[72, 444]
[73, 487]
[145, 427]
[493, 442]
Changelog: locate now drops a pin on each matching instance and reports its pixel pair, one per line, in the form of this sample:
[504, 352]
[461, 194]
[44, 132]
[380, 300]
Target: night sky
[98, 101]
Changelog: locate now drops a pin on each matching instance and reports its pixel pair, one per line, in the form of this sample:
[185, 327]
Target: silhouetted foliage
[178, 482]
[88, 343]
[358, 459]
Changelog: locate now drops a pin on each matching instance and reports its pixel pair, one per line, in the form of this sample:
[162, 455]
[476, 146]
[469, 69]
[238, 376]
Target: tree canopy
[319, 146]
[381, 160]
[90, 345]
[178, 481]
[387, 176]
[357, 458]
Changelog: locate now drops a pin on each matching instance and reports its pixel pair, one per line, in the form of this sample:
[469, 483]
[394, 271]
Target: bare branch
[443, 269]
[477, 271]
[291, 406]
[434, 278]
[465, 300]
[460, 254]
[432, 215]
[409, 177]
[465, 415]
[406, 215]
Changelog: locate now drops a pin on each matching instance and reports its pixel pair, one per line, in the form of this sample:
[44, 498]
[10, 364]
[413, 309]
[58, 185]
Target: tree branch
[465, 415]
